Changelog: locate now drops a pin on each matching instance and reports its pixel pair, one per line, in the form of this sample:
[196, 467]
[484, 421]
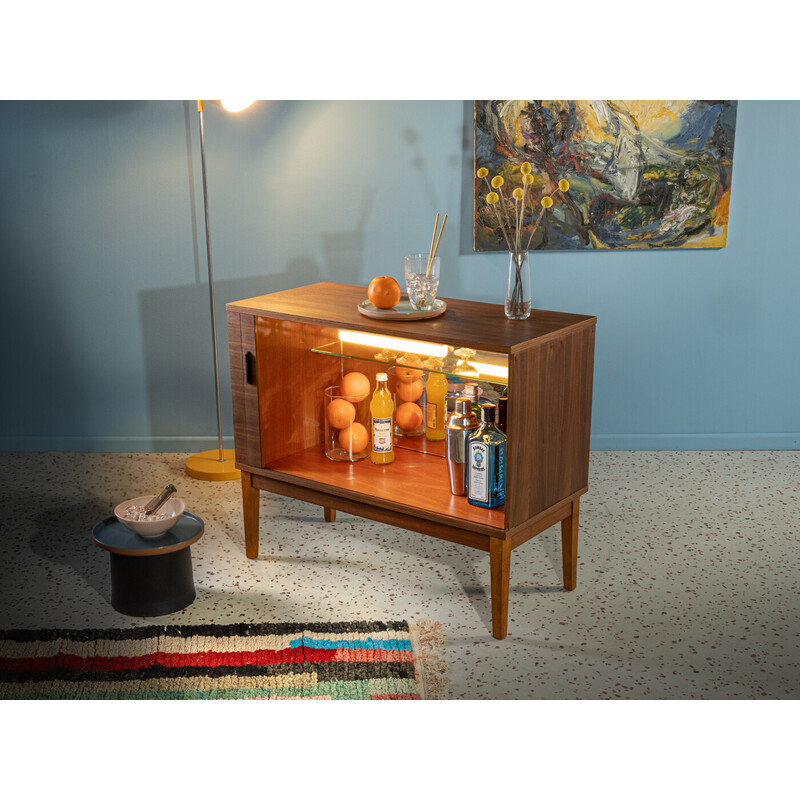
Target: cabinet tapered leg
[330, 515]
[250, 506]
[569, 547]
[500, 568]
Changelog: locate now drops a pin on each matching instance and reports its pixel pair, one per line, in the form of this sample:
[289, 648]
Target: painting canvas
[642, 173]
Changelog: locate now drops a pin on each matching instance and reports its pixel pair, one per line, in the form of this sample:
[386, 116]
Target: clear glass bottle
[471, 390]
[487, 462]
[382, 412]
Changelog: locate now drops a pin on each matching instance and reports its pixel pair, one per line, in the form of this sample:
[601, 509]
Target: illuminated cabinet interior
[287, 347]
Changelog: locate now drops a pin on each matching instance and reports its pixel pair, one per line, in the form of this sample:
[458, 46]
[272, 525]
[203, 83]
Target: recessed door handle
[250, 368]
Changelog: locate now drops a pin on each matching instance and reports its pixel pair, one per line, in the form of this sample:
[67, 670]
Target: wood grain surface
[415, 482]
[246, 426]
[480, 325]
[390, 516]
[549, 423]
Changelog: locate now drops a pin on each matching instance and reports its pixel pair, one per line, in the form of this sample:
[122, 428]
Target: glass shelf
[462, 364]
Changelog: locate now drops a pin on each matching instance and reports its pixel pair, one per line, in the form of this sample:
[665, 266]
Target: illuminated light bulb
[394, 343]
[236, 105]
[490, 370]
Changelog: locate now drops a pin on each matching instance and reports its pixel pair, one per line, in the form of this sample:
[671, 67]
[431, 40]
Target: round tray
[402, 312]
[112, 535]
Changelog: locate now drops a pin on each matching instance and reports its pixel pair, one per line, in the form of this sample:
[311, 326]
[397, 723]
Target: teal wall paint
[105, 319]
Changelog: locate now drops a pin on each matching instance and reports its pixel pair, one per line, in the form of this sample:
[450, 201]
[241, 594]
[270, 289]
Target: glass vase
[518, 286]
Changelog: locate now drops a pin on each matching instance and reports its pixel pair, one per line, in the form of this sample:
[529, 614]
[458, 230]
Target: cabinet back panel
[291, 382]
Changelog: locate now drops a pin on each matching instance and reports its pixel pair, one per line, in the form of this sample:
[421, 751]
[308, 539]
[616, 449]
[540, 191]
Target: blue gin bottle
[487, 462]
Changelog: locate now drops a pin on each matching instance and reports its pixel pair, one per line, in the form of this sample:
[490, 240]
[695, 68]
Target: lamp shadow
[61, 535]
[178, 353]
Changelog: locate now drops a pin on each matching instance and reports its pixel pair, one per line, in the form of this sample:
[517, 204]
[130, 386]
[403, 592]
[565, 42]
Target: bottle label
[430, 415]
[501, 469]
[382, 435]
[478, 472]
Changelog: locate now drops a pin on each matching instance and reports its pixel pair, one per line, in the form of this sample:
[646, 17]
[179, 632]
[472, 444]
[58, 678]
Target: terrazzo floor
[688, 576]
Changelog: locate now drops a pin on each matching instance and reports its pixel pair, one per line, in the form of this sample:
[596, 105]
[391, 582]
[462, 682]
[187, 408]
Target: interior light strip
[490, 370]
[393, 343]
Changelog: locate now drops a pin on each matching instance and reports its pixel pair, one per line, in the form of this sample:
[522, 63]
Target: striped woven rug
[330, 661]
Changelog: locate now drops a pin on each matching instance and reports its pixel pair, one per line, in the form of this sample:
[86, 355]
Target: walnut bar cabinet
[287, 347]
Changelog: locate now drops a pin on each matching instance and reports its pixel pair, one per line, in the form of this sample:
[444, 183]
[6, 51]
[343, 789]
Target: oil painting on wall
[642, 173]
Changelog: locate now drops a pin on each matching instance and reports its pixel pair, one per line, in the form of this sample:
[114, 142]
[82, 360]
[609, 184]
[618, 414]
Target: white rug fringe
[427, 641]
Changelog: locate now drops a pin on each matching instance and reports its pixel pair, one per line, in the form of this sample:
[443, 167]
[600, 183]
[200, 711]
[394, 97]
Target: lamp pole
[212, 465]
[210, 278]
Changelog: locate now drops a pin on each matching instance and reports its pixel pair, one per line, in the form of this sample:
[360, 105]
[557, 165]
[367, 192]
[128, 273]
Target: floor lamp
[219, 464]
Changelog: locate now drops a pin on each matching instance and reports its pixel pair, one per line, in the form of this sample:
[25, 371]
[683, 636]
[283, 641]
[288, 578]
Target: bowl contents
[138, 513]
[133, 515]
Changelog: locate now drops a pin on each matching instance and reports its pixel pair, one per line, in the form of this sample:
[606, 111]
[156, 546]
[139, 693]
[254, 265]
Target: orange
[409, 392]
[407, 374]
[384, 292]
[408, 416]
[354, 438]
[354, 387]
[340, 413]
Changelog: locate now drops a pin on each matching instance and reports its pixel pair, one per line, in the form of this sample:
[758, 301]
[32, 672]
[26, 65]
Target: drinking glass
[463, 367]
[421, 283]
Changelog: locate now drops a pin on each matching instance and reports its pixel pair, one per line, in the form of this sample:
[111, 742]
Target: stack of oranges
[341, 412]
[409, 389]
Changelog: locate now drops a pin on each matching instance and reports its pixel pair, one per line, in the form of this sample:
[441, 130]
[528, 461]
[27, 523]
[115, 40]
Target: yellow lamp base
[207, 466]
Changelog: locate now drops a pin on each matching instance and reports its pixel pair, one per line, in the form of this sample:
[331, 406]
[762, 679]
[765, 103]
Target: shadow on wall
[178, 354]
[344, 250]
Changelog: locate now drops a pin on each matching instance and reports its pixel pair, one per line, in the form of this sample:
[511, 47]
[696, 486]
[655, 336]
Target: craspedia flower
[547, 201]
[492, 198]
[482, 172]
[497, 181]
[563, 184]
[528, 179]
[517, 193]
[525, 169]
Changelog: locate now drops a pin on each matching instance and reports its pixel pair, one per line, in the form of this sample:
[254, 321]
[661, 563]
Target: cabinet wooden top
[483, 326]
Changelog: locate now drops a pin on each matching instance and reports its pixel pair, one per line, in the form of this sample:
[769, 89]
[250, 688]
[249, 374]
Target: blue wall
[105, 320]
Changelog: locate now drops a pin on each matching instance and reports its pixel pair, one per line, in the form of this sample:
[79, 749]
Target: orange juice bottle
[382, 410]
[435, 393]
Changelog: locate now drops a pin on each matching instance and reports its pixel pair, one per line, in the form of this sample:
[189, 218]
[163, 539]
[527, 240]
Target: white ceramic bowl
[151, 528]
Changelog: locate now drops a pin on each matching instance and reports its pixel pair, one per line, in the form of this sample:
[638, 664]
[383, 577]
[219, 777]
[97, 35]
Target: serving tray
[402, 312]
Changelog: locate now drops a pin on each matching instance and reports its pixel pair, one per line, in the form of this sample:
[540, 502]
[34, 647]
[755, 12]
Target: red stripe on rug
[289, 655]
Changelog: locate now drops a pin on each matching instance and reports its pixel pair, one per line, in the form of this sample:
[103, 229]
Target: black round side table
[150, 577]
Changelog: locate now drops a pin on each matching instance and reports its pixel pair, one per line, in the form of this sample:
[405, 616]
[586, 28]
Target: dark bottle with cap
[502, 410]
